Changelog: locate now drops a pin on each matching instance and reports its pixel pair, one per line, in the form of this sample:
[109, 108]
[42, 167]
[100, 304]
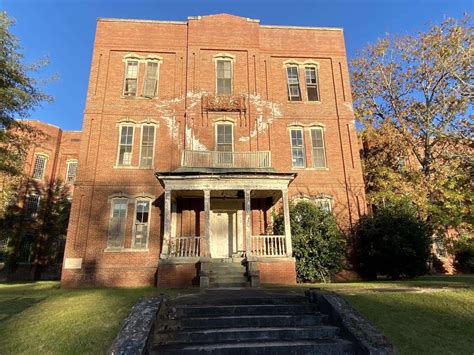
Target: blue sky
[63, 30]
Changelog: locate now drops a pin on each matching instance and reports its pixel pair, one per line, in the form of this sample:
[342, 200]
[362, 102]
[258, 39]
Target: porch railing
[218, 159]
[268, 245]
[187, 247]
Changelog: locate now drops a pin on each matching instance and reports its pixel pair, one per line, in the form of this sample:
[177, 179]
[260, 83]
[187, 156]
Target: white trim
[315, 65]
[223, 123]
[111, 215]
[68, 163]
[288, 82]
[150, 201]
[44, 155]
[126, 61]
[118, 143]
[225, 58]
[141, 142]
[152, 59]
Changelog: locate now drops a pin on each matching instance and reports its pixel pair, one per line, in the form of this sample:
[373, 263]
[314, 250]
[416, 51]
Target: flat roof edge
[304, 28]
[139, 20]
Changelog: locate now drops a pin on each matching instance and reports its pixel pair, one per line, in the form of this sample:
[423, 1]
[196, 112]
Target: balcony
[216, 159]
[223, 103]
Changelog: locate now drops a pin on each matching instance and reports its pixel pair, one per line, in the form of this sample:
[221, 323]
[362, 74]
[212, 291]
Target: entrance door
[222, 227]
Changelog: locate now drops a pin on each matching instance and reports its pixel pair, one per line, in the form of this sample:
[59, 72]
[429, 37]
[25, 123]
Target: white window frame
[68, 164]
[46, 158]
[137, 200]
[127, 61]
[120, 126]
[316, 73]
[319, 200]
[223, 123]
[32, 215]
[158, 62]
[288, 82]
[317, 128]
[231, 59]
[111, 215]
[153, 147]
[302, 147]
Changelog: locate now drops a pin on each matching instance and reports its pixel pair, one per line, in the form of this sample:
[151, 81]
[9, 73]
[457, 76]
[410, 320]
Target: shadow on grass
[14, 306]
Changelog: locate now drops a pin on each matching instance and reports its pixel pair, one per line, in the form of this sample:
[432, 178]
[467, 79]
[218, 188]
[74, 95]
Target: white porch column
[248, 227]
[286, 213]
[207, 213]
[167, 225]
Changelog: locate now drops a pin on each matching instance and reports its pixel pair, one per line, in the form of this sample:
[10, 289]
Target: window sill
[138, 97]
[311, 169]
[125, 250]
[305, 102]
[132, 167]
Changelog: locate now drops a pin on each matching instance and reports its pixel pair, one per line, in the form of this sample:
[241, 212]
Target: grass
[41, 318]
[428, 315]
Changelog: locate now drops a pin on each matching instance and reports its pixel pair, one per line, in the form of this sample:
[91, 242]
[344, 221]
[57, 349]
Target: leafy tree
[318, 245]
[412, 96]
[392, 242]
[463, 251]
[19, 94]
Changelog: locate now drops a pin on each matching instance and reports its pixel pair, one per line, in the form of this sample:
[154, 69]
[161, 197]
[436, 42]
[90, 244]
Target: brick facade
[187, 54]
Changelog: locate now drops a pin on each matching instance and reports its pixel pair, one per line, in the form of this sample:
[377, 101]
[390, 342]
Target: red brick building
[194, 132]
[52, 157]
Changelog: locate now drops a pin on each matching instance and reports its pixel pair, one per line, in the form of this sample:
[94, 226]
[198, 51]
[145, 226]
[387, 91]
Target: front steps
[227, 273]
[246, 321]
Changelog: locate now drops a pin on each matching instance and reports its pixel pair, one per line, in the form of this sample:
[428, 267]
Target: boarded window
[39, 167]
[32, 204]
[224, 77]
[147, 146]
[142, 216]
[131, 77]
[117, 223]
[125, 145]
[71, 172]
[151, 79]
[317, 142]
[297, 148]
[294, 93]
[324, 203]
[311, 83]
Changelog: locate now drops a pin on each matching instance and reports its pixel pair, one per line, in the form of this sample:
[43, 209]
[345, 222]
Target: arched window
[318, 147]
[117, 222]
[293, 83]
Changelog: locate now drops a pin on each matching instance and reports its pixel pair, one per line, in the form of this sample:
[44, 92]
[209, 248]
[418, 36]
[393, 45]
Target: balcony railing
[216, 159]
[224, 103]
[268, 245]
[187, 247]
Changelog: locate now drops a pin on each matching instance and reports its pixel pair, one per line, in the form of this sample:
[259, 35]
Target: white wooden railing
[268, 245]
[218, 159]
[187, 247]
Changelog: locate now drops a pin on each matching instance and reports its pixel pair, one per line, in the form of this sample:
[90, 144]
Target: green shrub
[393, 242]
[464, 254]
[318, 245]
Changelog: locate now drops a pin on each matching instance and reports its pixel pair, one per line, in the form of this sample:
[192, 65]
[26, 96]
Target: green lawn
[429, 315]
[41, 318]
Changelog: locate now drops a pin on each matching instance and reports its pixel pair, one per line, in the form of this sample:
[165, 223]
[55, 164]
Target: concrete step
[245, 334]
[237, 321]
[229, 284]
[326, 346]
[227, 310]
[227, 278]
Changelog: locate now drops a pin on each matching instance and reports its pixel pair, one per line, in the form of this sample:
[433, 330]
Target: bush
[318, 246]
[464, 254]
[393, 242]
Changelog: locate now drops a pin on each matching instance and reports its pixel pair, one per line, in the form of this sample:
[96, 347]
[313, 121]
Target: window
[224, 144]
[311, 83]
[125, 145]
[131, 77]
[142, 216]
[151, 79]
[224, 77]
[147, 146]
[71, 172]
[324, 203]
[32, 206]
[118, 217]
[317, 141]
[294, 93]
[297, 148]
[39, 167]
[25, 254]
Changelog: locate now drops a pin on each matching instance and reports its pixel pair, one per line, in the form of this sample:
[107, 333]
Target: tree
[318, 245]
[412, 96]
[19, 95]
[392, 242]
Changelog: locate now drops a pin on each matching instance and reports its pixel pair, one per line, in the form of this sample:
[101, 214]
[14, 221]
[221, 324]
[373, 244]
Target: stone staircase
[245, 321]
[227, 273]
